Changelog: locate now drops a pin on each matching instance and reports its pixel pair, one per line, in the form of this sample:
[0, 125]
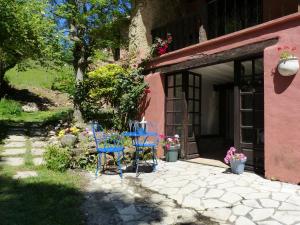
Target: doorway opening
[215, 107]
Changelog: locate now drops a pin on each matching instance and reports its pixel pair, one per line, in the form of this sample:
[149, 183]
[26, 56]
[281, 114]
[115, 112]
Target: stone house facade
[218, 86]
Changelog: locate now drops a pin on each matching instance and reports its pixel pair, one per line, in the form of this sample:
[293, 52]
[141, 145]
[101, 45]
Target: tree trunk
[80, 66]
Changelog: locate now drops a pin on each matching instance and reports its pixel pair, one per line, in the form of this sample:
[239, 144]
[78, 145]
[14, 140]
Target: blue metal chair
[107, 143]
[147, 138]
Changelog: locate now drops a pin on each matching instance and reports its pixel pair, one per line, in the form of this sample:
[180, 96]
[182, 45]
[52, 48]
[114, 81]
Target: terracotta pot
[288, 67]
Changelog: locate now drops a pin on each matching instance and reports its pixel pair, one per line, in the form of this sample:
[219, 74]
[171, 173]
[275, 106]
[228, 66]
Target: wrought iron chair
[107, 143]
[147, 138]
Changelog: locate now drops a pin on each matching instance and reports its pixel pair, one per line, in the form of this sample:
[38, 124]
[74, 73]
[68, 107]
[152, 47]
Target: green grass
[52, 198]
[37, 117]
[34, 77]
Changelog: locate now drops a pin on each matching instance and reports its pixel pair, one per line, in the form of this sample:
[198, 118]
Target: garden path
[19, 150]
[183, 192]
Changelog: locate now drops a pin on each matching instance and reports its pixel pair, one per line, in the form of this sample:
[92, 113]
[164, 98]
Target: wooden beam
[200, 60]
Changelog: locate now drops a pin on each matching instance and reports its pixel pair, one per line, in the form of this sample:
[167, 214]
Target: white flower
[170, 139]
[176, 136]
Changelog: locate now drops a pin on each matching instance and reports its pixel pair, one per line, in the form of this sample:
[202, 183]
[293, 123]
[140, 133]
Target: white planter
[288, 67]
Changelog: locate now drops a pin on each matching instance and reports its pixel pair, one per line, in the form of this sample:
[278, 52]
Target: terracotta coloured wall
[282, 114]
[154, 106]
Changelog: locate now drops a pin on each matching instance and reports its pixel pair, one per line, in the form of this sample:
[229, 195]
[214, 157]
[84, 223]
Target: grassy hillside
[33, 77]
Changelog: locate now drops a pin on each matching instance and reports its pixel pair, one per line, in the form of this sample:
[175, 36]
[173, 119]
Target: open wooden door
[183, 110]
[249, 129]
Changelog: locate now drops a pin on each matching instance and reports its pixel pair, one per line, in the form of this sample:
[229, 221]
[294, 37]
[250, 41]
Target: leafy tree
[27, 31]
[112, 95]
[90, 24]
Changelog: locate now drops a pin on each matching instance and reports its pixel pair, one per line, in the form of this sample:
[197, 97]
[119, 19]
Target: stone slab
[12, 161]
[16, 138]
[38, 161]
[37, 151]
[15, 144]
[38, 144]
[25, 174]
[9, 152]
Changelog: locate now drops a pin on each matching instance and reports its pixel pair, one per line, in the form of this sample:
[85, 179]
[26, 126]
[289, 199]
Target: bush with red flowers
[160, 45]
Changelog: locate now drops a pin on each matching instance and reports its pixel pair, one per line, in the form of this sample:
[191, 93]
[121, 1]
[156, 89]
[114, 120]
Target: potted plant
[288, 64]
[160, 45]
[172, 147]
[236, 160]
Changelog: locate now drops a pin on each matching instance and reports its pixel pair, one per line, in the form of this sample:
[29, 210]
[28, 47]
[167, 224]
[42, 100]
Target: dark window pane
[197, 106]
[191, 80]
[197, 81]
[178, 105]
[259, 66]
[170, 92]
[247, 118]
[191, 118]
[197, 93]
[191, 132]
[178, 92]
[247, 101]
[178, 81]
[171, 80]
[246, 68]
[196, 118]
[191, 92]
[191, 106]
[170, 106]
[170, 118]
[247, 135]
[197, 130]
[178, 118]
[221, 18]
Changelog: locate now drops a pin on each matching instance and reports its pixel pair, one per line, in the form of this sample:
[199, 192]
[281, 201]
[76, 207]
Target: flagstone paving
[204, 190]
[14, 153]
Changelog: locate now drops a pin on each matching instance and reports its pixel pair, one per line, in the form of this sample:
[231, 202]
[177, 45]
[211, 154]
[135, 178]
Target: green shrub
[57, 158]
[10, 107]
[65, 81]
[111, 95]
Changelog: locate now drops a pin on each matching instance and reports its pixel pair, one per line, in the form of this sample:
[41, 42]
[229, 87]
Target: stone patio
[202, 191]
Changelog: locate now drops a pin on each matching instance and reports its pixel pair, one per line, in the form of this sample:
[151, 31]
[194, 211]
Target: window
[227, 16]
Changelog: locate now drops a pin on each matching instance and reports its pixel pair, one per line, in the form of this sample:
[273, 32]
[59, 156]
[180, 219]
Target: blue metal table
[135, 136]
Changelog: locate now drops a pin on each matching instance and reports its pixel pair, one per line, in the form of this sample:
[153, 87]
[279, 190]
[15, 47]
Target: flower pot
[288, 67]
[237, 165]
[172, 153]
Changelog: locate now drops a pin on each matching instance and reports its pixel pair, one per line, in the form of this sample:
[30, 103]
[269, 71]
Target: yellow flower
[61, 133]
[74, 130]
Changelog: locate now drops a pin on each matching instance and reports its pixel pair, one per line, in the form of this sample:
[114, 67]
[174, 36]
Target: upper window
[227, 16]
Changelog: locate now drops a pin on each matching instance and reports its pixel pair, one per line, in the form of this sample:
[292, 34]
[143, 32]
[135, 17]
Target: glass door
[183, 110]
[251, 112]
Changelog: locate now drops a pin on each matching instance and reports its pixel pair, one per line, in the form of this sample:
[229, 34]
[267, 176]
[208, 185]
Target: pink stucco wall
[282, 94]
[282, 113]
[154, 104]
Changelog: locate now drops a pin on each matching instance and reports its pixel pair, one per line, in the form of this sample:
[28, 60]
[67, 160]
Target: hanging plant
[288, 64]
